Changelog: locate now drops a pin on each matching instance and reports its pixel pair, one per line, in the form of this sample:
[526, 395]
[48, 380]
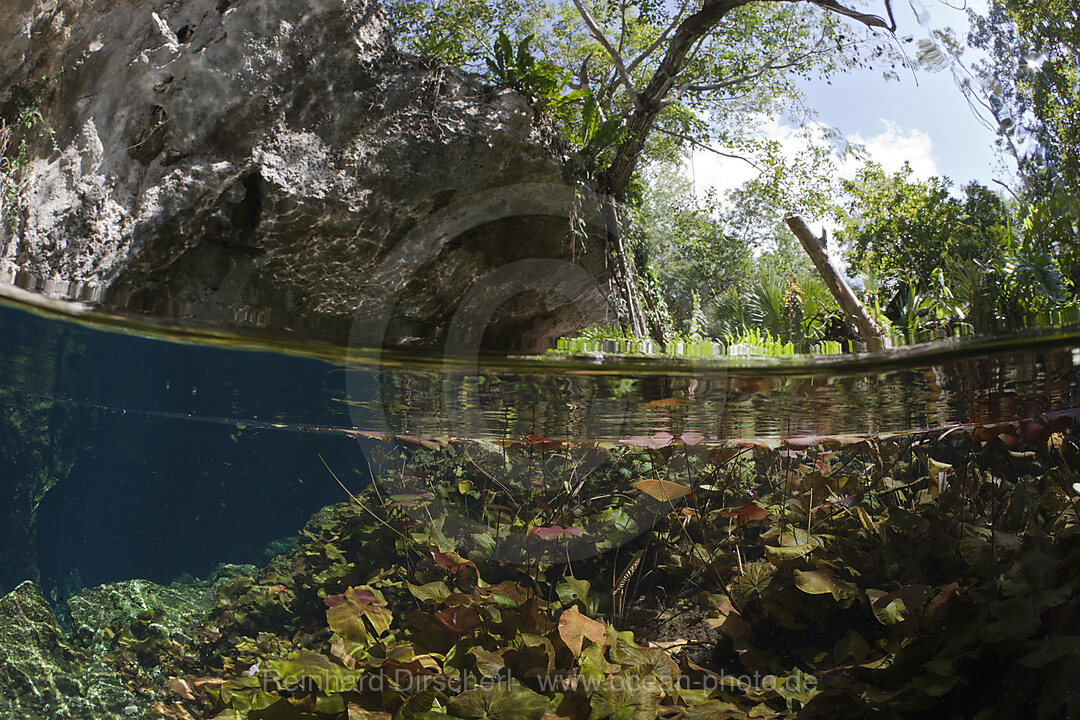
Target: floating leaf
[553, 532]
[805, 442]
[542, 443]
[650, 442]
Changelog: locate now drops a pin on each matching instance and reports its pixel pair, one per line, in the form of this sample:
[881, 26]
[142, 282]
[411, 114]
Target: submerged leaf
[512, 701]
[626, 698]
[662, 490]
[789, 552]
[575, 627]
[433, 592]
[755, 577]
[887, 608]
[330, 677]
[822, 582]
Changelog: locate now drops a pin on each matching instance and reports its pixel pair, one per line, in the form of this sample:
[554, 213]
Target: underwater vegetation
[914, 575]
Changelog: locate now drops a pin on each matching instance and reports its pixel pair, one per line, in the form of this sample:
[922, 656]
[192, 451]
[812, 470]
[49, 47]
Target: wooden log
[814, 245]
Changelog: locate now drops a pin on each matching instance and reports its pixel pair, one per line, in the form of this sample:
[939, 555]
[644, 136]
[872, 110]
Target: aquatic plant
[818, 576]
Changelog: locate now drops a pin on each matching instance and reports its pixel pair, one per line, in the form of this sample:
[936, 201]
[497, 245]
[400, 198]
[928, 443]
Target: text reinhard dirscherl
[405, 681]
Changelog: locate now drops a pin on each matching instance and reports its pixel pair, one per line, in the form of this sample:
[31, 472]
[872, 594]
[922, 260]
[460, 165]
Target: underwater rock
[43, 676]
[167, 613]
[33, 460]
[279, 165]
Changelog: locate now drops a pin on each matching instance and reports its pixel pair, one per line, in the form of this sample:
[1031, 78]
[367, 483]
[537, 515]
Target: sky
[924, 118]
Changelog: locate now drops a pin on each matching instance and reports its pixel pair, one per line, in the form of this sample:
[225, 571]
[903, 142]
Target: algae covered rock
[37, 663]
[153, 617]
[33, 459]
[127, 639]
[43, 675]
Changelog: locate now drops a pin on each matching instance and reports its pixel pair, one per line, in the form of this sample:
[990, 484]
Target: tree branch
[690, 31]
[658, 41]
[703, 146]
[871, 334]
[753, 75]
[616, 58]
[865, 18]
[641, 121]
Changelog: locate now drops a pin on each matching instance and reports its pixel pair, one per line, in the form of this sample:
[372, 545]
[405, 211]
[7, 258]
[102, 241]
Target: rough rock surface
[43, 676]
[281, 164]
[170, 611]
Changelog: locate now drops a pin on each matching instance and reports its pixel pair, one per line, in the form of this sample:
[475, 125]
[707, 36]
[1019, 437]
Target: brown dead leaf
[574, 627]
[662, 490]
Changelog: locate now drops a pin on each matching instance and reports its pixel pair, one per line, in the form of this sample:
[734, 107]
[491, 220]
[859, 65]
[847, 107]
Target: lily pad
[512, 701]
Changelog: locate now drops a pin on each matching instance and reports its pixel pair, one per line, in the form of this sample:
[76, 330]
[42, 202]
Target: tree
[637, 82]
[901, 230]
[1033, 86]
[685, 244]
[939, 261]
[657, 78]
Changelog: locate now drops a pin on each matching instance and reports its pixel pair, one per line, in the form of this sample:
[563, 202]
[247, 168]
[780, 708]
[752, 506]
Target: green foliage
[688, 247]
[26, 126]
[713, 104]
[902, 230]
[1032, 76]
[909, 576]
[941, 265]
[443, 30]
[515, 67]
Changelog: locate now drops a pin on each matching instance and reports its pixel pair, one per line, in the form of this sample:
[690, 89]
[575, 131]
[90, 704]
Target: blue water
[163, 480]
[187, 455]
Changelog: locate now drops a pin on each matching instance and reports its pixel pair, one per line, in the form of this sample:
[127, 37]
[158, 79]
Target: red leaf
[454, 563]
[458, 620]
[746, 514]
[544, 443]
[553, 532]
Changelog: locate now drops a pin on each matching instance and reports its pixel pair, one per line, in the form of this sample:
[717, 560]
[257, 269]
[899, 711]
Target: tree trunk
[650, 102]
[871, 334]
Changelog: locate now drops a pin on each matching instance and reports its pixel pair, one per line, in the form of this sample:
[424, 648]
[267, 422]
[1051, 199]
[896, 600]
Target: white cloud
[890, 148]
[895, 145]
[708, 170]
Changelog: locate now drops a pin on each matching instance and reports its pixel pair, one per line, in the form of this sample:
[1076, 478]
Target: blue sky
[925, 104]
[922, 118]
